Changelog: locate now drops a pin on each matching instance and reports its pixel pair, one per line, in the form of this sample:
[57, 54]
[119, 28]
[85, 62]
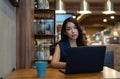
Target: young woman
[71, 36]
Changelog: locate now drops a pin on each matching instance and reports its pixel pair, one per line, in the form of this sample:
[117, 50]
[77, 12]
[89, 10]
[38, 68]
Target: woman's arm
[56, 63]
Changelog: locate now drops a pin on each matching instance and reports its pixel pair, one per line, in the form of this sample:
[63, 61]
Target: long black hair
[64, 38]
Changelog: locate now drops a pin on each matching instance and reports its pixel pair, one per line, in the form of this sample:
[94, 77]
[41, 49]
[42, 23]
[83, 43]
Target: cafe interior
[35, 28]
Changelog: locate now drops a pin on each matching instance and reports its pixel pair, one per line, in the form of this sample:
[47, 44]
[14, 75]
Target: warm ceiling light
[84, 9]
[60, 7]
[104, 20]
[109, 8]
[74, 16]
[112, 17]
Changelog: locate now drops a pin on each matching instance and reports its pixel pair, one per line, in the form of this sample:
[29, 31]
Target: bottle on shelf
[47, 53]
[42, 54]
[43, 4]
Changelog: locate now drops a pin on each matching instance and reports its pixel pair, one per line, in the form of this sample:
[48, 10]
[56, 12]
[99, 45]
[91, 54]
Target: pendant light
[84, 9]
[60, 7]
[109, 8]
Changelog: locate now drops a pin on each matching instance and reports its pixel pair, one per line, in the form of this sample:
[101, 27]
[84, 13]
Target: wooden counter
[56, 74]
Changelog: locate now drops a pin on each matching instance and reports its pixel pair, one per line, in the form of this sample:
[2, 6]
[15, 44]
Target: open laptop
[85, 59]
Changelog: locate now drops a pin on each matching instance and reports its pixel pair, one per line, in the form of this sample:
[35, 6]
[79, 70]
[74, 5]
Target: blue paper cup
[41, 67]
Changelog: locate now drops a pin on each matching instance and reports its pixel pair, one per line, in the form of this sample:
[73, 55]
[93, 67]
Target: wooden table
[55, 74]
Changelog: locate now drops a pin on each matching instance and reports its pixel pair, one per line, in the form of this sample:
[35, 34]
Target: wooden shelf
[44, 14]
[42, 36]
[44, 26]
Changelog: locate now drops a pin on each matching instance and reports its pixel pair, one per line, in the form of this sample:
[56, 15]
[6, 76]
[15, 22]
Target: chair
[109, 59]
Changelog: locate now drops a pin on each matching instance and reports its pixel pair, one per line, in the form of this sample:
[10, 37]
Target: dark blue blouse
[63, 47]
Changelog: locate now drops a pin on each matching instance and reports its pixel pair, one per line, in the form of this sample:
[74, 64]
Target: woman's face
[71, 31]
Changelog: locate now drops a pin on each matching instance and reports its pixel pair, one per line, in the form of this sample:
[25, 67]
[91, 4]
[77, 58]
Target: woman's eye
[68, 29]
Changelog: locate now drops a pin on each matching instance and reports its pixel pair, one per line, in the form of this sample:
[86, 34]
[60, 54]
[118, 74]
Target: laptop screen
[85, 59]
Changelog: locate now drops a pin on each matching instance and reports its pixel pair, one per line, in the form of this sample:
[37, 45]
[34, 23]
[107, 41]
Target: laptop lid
[85, 59]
